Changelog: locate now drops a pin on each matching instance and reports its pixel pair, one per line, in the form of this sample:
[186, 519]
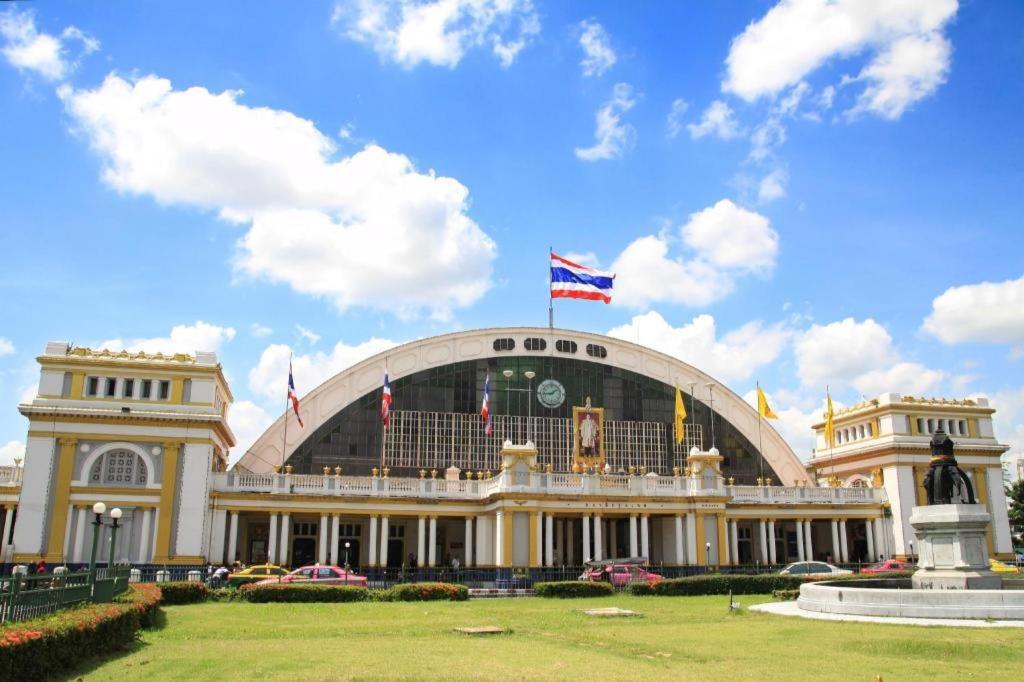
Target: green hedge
[183, 592]
[296, 593]
[426, 592]
[786, 595]
[722, 583]
[45, 647]
[570, 589]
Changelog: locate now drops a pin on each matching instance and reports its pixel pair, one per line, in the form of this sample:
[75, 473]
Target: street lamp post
[530, 374]
[508, 403]
[707, 553]
[98, 509]
[347, 545]
[711, 407]
[115, 514]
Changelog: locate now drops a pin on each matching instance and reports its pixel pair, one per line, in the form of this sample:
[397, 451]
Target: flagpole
[383, 425]
[287, 402]
[551, 299]
[830, 437]
[760, 450]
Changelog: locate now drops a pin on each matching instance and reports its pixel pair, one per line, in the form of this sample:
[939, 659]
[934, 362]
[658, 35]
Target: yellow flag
[762, 406]
[830, 432]
[680, 415]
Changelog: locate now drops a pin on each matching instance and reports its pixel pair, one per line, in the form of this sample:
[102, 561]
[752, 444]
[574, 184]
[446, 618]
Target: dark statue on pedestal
[945, 482]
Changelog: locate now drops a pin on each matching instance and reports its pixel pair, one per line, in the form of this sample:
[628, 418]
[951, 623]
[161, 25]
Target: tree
[1015, 493]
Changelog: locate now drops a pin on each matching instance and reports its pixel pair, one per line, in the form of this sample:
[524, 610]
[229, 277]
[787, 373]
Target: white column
[645, 537]
[482, 526]
[218, 544]
[836, 557]
[384, 536]
[586, 538]
[598, 543]
[467, 543]
[324, 521]
[679, 539]
[808, 541]
[3, 537]
[771, 542]
[691, 538]
[372, 557]
[633, 550]
[734, 539]
[549, 540]
[80, 523]
[762, 534]
[232, 534]
[540, 538]
[333, 549]
[560, 540]
[432, 543]
[843, 542]
[800, 556]
[868, 523]
[286, 545]
[421, 541]
[499, 537]
[879, 538]
[272, 540]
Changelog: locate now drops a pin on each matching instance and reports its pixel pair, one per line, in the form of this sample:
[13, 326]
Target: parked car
[321, 575]
[255, 574]
[813, 569]
[888, 566]
[618, 573]
[1000, 567]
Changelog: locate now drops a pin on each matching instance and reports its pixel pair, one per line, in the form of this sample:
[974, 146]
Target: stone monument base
[953, 551]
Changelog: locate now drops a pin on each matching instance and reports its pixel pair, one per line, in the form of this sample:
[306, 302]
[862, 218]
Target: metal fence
[29, 596]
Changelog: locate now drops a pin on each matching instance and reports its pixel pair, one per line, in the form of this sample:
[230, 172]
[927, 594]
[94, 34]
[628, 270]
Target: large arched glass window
[118, 468]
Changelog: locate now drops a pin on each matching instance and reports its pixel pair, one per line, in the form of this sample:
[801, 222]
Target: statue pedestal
[952, 549]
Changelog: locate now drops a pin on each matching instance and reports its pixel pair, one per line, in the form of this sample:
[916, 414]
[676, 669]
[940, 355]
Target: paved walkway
[789, 608]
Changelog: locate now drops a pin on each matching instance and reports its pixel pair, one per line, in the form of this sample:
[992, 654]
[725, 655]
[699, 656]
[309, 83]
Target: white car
[813, 569]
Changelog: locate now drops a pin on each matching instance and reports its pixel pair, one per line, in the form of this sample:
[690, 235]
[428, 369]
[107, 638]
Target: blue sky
[800, 193]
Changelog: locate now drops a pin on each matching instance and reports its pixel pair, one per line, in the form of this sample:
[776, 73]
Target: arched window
[118, 468]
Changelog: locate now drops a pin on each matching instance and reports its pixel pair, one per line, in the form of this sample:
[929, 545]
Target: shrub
[724, 583]
[292, 593]
[426, 592]
[43, 647]
[571, 589]
[785, 595]
[641, 589]
[183, 592]
[225, 594]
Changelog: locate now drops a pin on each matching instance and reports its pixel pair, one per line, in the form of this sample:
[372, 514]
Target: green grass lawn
[676, 638]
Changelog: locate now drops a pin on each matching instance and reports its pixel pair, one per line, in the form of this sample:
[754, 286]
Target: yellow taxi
[256, 573]
[1000, 567]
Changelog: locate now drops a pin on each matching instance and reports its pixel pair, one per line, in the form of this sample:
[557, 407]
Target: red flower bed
[43, 647]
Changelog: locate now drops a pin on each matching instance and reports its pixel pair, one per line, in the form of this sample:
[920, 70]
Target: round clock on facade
[550, 394]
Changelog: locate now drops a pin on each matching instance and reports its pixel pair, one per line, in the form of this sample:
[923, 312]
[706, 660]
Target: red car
[618, 574]
[320, 575]
[888, 566]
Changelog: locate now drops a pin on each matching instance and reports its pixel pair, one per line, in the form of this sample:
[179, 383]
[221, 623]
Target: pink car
[888, 566]
[320, 575]
[619, 575]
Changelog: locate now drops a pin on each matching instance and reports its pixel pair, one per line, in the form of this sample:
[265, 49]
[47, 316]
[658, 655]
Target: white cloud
[248, 421]
[307, 334]
[259, 331]
[842, 350]
[734, 356]
[598, 55]
[797, 37]
[438, 32]
[41, 53]
[646, 273]
[10, 450]
[772, 186]
[326, 226]
[6, 347]
[612, 137]
[1008, 420]
[724, 241]
[184, 338]
[987, 312]
[732, 237]
[907, 378]
[794, 424]
[674, 120]
[717, 120]
[269, 377]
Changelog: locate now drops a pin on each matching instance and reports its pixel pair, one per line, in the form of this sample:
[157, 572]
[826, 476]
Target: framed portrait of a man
[588, 435]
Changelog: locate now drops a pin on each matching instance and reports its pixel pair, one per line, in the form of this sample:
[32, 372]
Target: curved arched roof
[349, 385]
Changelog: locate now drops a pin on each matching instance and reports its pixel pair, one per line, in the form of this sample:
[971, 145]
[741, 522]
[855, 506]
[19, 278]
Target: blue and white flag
[572, 280]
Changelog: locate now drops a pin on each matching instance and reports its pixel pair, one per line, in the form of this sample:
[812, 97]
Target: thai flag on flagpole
[572, 280]
[385, 401]
[485, 409]
[292, 395]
